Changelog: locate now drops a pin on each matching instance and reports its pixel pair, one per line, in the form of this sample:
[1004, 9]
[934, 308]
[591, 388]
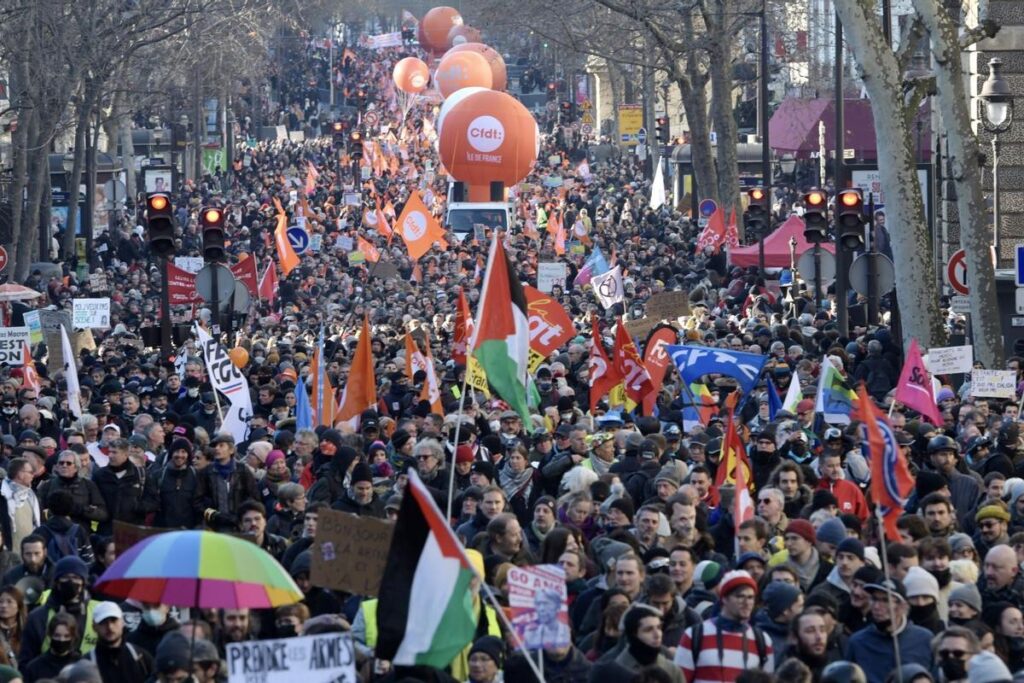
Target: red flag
[630, 366]
[30, 378]
[268, 284]
[463, 329]
[914, 389]
[245, 272]
[891, 481]
[714, 234]
[604, 376]
[181, 286]
[744, 504]
[732, 233]
[733, 453]
[657, 361]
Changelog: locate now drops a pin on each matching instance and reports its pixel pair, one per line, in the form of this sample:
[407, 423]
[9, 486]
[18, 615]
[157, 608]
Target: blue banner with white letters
[693, 362]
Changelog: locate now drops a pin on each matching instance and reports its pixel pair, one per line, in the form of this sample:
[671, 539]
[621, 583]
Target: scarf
[538, 533]
[809, 569]
[512, 483]
[279, 478]
[20, 493]
[600, 466]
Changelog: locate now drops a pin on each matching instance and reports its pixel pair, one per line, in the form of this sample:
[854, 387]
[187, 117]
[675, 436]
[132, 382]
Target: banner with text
[91, 314]
[12, 345]
[323, 658]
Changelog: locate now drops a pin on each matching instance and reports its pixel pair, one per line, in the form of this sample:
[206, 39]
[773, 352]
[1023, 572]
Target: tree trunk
[975, 235]
[719, 62]
[81, 128]
[27, 230]
[695, 103]
[882, 76]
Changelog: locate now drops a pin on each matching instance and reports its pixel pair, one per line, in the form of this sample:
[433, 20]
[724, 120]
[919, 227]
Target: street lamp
[787, 164]
[998, 118]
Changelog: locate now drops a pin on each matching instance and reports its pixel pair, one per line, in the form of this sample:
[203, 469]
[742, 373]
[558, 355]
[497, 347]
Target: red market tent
[776, 246]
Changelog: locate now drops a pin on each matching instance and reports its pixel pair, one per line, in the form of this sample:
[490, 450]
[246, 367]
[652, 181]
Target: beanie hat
[919, 581]
[737, 579]
[72, 564]
[400, 438]
[823, 600]
[987, 667]
[667, 473]
[302, 564]
[748, 556]
[929, 482]
[464, 454]
[333, 436]
[492, 647]
[823, 498]
[547, 501]
[173, 653]
[608, 551]
[993, 511]
[361, 472]
[624, 506]
[869, 574]
[967, 594]
[273, 456]
[832, 531]
[631, 619]
[960, 541]
[852, 546]
[181, 444]
[486, 469]
[778, 597]
[707, 574]
[802, 528]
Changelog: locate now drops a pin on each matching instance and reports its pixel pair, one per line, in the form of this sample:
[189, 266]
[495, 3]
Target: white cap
[106, 610]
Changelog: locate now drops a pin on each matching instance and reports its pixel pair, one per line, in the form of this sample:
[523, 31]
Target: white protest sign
[316, 242]
[12, 345]
[994, 383]
[353, 199]
[192, 264]
[326, 657]
[537, 599]
[35, 327]
[91, 314]
[550, 274]
[345, 243]
[950, 360]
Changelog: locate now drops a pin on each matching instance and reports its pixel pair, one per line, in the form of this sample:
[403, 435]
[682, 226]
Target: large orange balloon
[499, 75]
[489, 136]
[435, 26]
[462, 70]
[239, 357]
[411, 75]
[463, 34]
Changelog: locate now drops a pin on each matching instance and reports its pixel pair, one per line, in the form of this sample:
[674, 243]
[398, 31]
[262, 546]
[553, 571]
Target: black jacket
[129, 497]
[177, 494]
[89, 505]
[125, 664]
[573, 669]
[225, 497]
[347, 503]
[47, 665]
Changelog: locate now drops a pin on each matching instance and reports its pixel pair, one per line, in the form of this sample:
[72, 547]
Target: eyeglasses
[953, 654]
[65, 463]
[989, 523]
[765, 500]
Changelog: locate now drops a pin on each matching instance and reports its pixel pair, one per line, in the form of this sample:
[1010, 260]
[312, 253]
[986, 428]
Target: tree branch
[986, 29]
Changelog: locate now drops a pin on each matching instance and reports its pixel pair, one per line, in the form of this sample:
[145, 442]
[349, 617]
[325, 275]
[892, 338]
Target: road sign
[3, 259]
[806, 267]
[586, 105]
[551, 107]
[641, 136]
[956, 273]
[1018, 264]
[885, 274]
[587, 118]
[707, 207]
[960, 304]
[225, 283]
[586, 129]
[299, 239]
[371, 119]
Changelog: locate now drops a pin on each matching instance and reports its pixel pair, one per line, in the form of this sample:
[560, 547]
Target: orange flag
[554, 224]
[560, 240]
[30, 378]
[414, 360]
[382, 224]
[361, 390]
[372, 255]
[285, 253]
[324, 406]
[418, 227]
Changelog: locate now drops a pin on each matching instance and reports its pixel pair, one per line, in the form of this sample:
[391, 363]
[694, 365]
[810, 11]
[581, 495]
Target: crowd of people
[662, 584]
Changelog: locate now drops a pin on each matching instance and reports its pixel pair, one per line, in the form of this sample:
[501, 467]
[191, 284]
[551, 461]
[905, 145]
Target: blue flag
[595, 265]
[693, 362]
[303, 410]
[774, 402]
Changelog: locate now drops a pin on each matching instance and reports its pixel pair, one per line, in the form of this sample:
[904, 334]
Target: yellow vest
[89, 638]
[460, 665]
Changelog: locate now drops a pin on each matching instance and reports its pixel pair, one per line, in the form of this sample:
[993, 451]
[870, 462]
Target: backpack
[62, 545]
[697, 640]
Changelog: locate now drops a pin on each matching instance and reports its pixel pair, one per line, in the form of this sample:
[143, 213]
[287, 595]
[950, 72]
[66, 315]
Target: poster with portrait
[158, 180]
[538, 602]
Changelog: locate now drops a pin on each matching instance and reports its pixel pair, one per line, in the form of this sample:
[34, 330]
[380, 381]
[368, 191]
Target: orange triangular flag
[361, 389]
[372, 255]
[285, 253]
[382, 224]
[417, 227]
[324, 406]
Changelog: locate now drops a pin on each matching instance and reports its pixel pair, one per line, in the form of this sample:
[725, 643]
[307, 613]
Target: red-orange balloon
[411, 75]
[463, 34]
[435, 26]
[239, 357]
[499, 76]
[462, 70]
[489, 136]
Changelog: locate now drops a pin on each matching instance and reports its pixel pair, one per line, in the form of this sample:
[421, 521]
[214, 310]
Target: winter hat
[273, 456]
[913, 672]
[968, 594]
[960, 542]
[261, 449]
[929, 482]
[747, 557]
[823, 498]
[486, 469]
[851, 545]
[182, 444]
[72, 564]
[492, 647]
[832, 531]
[333, 436]
[987, 667]
[707, 574]
[802, 528]
[173, 653]
[737, 579]
[607, 550]
[361, 472]
[624, 506]
[824, 601]
[919, 581]
[547, 501]
[302, 564]
[868, 574]
[996, 510]
[631, 619]
[778, 597]
[667, 473]
[464, 454]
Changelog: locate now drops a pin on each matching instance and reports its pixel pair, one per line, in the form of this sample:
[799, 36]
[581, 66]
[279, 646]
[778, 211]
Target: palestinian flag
[501, 335]
[425, 614]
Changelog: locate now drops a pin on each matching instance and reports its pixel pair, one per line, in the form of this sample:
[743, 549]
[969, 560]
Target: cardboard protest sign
[667, 305]
[51, 321]
[994, 383]
[350, 552]
[91, 314]
[537, 600]
[950, 360]
[126, 535]
[12, 345]
[326, 657]
[80, 339]
[550, 274]
[35, 327]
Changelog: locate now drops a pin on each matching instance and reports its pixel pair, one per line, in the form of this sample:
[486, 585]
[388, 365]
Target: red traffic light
[757, 194]
[850, 198]
[338, 126]
[551, 87]
[356, 136]
[815, 198]
[159, 202]
[212, 216]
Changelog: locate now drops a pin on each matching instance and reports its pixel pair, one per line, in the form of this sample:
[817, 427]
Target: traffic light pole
[842, 253]
[872, 263]
[165, 311]
[766, 152]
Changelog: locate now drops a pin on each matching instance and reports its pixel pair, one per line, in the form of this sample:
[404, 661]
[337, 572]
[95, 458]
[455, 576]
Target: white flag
[658, 189]
[230, 382]
[608, 287]
[793, 395]
[71, 374]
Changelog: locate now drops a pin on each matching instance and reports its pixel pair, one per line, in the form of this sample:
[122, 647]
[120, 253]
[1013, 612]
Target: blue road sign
[299, 239]
[641, 136]
[1018, 264]
[707, 207]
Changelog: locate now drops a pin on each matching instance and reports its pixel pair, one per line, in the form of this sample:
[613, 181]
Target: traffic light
[160, 221]
[756, 216]
[566, 108]
[552, 91]
[661, 130]
[337, 129]
[212, 220]
[815, 216]
[355, 144]
[850, 218]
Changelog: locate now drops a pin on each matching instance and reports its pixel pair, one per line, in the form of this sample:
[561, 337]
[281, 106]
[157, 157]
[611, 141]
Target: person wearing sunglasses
[956, 645]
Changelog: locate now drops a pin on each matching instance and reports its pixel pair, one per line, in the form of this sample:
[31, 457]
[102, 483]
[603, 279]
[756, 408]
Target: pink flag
[732, 234]
[914, 388]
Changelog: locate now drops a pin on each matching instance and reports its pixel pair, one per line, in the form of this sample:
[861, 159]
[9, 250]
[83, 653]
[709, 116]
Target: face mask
[566, 416]
[542, 387]
[495, 426]
[953, 669]
[10, 411]
[943, 576]
[60, 647]
[67, 591]
[287, 630]
[193, 392]
[922, 613]
[259, 360]
[154, 617]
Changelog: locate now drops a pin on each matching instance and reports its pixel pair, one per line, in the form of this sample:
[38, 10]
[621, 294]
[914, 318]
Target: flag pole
[455, 442]
[520, 645]
[892, 607]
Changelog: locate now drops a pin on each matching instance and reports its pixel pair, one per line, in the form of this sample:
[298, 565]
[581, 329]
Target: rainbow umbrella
[200, 569]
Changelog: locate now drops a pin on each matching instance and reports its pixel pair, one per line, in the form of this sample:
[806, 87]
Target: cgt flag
[693, 362]
[891, 481]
